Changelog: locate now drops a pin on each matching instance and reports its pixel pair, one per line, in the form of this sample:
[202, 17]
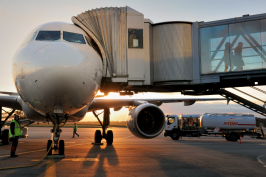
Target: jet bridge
[141, 56]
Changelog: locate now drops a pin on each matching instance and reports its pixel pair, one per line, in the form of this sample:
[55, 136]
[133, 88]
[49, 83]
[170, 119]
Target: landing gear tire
[234, 136]
[98, 136]
[5, 137]
[61, 147]
[175, 135]
[109, 137]
[49, 143]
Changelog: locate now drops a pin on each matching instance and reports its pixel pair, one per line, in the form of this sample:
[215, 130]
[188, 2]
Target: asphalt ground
[131, 156]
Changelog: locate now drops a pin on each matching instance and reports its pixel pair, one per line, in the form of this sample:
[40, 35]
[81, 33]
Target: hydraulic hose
[7, 168]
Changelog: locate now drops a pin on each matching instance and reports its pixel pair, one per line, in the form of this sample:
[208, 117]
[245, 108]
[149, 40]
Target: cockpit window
[73, 37]
[48, 36]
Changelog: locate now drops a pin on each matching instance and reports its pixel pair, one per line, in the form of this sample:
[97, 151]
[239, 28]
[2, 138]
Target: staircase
[243, 102]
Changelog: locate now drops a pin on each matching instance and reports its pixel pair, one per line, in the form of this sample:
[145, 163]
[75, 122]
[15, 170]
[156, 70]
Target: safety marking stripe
[25, 152]
[50, 170]
[263, 162]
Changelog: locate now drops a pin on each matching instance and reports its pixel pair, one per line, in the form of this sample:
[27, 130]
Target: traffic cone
[240, 142]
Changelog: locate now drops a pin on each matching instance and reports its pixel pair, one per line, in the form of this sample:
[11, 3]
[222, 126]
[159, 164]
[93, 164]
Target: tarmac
[131, 156]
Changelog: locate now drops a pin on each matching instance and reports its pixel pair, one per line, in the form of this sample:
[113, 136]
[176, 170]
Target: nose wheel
[61, 148]
[108, 136]
[55, 143]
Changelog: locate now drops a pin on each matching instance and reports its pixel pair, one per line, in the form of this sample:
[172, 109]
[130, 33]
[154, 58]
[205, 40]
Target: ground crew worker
[75, 130]
[14, 133]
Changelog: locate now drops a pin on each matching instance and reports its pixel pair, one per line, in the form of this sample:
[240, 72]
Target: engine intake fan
[146, 121]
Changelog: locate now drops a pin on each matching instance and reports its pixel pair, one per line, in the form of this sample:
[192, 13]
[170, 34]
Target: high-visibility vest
[76, 127]
[17, 130]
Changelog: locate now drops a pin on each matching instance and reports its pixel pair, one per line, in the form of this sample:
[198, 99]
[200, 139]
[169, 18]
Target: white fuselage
[51, 74]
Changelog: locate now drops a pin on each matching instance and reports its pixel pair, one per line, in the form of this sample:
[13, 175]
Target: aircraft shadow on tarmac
[105, 155]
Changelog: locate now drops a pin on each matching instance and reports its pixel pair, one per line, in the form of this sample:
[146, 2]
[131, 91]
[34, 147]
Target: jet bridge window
[48, 36]
[233, 47]
[73, 37]
[135, 38]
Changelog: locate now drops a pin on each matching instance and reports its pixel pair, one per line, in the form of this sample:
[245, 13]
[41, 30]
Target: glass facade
[135, 38]
[233, 47]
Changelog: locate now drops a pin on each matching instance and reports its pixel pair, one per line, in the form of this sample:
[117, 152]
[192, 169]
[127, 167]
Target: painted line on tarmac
[25, 152]
[262, 159]
[50, 170]
[70, 159]
[65, 146]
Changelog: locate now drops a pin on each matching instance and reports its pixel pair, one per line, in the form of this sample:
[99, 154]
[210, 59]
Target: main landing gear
[56, 143]
[108, 136]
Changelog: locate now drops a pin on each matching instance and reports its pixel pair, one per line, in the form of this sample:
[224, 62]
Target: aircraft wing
[10, 102]
[9, 93]
[100, 103]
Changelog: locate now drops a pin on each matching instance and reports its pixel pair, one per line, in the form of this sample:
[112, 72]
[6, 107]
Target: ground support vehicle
[229, 126]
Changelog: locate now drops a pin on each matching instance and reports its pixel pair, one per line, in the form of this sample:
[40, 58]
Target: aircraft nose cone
[64, 75]
[58, 54]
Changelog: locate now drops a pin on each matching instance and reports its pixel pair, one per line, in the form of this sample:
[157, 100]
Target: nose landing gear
[55, 143]
[108, 136]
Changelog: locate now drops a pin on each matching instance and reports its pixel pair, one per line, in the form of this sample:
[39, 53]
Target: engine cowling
[146, 121]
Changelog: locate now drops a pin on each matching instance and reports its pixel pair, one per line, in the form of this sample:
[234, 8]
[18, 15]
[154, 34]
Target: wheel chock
[55, 156]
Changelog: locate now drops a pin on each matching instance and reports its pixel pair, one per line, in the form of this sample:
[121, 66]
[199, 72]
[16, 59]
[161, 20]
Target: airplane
[57, 73]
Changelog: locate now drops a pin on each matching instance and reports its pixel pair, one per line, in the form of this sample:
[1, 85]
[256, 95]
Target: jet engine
[146, 121]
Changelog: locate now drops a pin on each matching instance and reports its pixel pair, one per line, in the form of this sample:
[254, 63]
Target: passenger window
[135, 38]
[73, 37]
[48, 36]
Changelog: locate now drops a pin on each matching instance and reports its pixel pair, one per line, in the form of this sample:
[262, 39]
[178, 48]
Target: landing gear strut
[55, 143]
[108, 136]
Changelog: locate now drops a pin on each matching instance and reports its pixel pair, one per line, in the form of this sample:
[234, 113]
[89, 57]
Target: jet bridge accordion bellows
[109, 26]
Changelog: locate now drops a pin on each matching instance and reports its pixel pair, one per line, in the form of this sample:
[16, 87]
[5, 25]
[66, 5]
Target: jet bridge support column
[106, 120]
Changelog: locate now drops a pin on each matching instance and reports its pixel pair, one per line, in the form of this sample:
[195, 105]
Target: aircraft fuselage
[56, 68]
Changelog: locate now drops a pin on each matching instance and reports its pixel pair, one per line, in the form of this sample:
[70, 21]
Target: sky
[18, 18]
